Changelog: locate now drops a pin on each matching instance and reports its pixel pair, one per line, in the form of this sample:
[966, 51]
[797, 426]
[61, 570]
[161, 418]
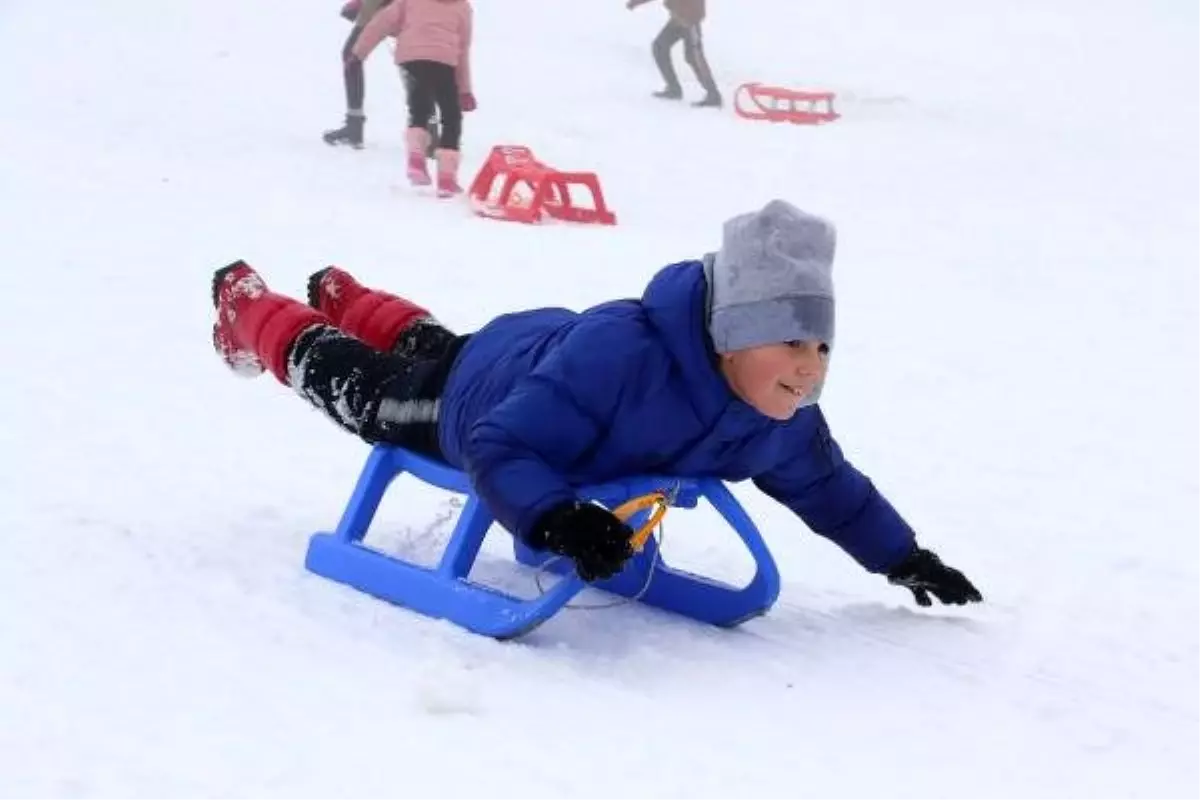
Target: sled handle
[659, 501]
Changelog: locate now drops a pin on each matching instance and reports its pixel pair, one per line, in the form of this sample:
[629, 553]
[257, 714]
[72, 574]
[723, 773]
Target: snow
[1015, 187]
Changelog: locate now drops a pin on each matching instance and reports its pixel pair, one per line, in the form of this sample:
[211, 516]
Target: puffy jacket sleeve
[463, 71]
[838, 502]
[517, 455]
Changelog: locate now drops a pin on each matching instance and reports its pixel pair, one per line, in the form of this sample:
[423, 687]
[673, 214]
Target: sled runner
[775, 104]
[446, 591]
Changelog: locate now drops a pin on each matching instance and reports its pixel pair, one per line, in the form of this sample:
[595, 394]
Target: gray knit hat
[771, 281]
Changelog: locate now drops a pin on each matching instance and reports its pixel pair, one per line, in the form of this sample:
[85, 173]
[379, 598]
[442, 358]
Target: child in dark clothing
[359, 13]
[683, 25]
[714, 372]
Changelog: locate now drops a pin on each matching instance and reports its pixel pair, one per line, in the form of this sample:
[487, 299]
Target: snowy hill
[1015, 188]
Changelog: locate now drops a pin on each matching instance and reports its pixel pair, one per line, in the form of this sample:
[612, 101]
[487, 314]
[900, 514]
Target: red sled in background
[545, 190]
[776, 104]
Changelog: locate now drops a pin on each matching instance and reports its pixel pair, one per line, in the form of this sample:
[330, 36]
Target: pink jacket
[425, 30]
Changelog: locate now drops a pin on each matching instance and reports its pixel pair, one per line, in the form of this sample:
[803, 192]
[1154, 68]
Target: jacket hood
[676, 304]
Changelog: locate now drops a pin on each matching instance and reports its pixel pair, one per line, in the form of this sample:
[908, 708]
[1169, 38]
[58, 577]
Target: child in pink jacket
[433, 46]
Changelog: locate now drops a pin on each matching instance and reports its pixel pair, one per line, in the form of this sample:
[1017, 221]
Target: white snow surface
[1015, 190]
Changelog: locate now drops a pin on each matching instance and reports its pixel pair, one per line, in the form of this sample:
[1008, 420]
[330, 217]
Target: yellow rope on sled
[659, 501]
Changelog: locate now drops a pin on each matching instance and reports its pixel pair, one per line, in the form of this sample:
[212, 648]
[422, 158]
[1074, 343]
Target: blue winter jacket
[543, 400]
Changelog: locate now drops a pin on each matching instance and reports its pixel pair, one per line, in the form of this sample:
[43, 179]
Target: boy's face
[776, 378]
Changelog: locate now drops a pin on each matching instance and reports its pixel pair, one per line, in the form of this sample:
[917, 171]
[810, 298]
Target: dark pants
[693, 53]
[429, 84]
[352, 73]
[393, 397]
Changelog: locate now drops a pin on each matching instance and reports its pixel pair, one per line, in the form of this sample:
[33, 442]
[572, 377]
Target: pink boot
[417, 140]
[447, 169]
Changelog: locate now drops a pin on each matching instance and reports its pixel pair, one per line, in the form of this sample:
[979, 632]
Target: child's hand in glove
[589, 535]
[923, 573]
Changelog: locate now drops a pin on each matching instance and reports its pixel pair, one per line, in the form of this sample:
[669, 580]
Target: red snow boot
[256, 327]
[369, 315]
[447, 173]
[418, 142]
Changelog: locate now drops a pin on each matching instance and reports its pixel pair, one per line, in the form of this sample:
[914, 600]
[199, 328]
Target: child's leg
[355, 83]
[671, 33]
[431, 128]
[378, 397]
[444, 82]
[356, 87]
[426, 338]
[382, 320]
[693, 54]
[420, 112]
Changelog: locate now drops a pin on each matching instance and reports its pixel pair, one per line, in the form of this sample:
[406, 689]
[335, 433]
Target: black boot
[669, 93]
[351, 133]
[711, 100]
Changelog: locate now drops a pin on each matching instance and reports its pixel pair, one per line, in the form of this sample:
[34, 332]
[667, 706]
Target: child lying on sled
[714, 372]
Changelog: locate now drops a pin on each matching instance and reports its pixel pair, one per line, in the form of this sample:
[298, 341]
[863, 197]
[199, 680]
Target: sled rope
[660, 502]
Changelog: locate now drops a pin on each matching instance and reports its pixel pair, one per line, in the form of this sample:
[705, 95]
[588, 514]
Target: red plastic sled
[775, 104]
[547, 190]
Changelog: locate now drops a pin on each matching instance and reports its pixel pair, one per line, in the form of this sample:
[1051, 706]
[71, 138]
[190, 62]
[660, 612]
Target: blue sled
[446, 592]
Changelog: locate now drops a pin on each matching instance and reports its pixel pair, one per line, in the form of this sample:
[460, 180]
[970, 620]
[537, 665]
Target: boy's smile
[776, 379]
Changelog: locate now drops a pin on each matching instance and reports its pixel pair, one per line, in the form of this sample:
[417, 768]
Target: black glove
[923, 572]
[589, 535]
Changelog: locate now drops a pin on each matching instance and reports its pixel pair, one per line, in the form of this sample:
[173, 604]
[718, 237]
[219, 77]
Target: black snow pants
[391, 398]
[429, 84]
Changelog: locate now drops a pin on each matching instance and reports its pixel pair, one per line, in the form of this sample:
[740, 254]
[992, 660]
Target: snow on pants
[393, 397]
